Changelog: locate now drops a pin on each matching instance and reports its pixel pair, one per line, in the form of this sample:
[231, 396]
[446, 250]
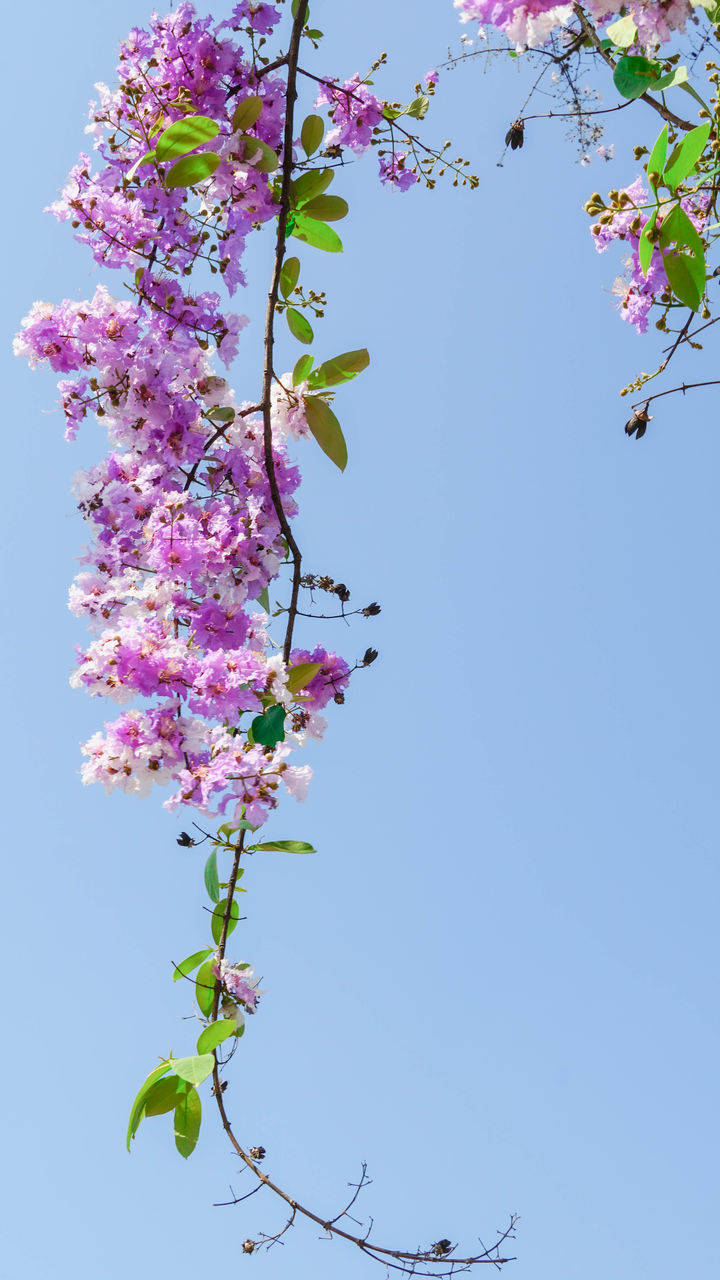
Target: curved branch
[591, 34]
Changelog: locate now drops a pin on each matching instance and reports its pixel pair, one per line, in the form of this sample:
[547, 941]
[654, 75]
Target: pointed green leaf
[326, 208]
[247, 113]
[138, 1107]
[299, 326]
[284, 846]
[310, 184]
[205, 984]
[222, 413]
[195, 1069]
[686, 154]
[657, 156]
[269, 728]
[192, 169]
[623, 33]
[418, 108]
[331, 373]
[317, 234]
[214, 1035]
[678, 75]
[677, 229]
[264, 600]
[216, 920]
[149, 155]
[185, 135]
[326, 430]
[188, 1114]
[680, 278]
[164, 1095]
[312, 134]
[645, 246]
[258, 154]
[289, 276]
[186, 966]
[301, 674]
[211, 877]
[302, 369]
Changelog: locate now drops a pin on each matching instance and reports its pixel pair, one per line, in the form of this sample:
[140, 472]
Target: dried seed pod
[637, 424]
[515, 135]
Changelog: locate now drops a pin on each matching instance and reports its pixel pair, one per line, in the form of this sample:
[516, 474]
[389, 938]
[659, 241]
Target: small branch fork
[439, 1259]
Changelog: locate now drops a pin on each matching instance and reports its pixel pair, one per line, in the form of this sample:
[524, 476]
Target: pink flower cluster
[184, 532]
[636, 291]
[531, 23]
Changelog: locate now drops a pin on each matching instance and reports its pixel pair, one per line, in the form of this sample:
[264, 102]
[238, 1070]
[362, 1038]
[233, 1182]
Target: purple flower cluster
[637, 292]
[531, 23]
[354, 111]
[184, 531]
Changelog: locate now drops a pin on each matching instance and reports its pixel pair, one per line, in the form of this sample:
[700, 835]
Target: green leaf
[192, 169]
[326, 430]
[302, 369]
[342, 368]
[149, 155]
[326, 208]
[188, 1114]
[138, 1107]
[195, 1069]
[392, 113]
[685, 155]
[258, 154]
[301, 674]
[309, 185]
[418, 108]
[264, 600]
[634, 75]
[186, 966]
[269, 728]
[247, 113]
[678, 75]
[185, 135]
[623, 33]
[680, 278]
[214, 1035]
[221, 414]
[164, 1095]
[317, 234]
[216, 921]
[645, 247]
[312, 134]
[284, 846]
[205, 984]
[289, 276]
[678, 229]
[299, 326]
[656, 159]
[211, 877]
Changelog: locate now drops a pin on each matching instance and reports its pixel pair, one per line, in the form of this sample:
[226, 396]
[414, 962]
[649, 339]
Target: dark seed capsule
[515, 135]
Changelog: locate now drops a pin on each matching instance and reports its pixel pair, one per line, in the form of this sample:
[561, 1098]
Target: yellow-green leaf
[326, 430]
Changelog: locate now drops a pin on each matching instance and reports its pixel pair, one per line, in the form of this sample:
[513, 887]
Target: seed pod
[515, 135]
[637, 424]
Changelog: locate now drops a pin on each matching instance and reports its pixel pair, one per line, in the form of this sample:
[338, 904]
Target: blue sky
[496, 981]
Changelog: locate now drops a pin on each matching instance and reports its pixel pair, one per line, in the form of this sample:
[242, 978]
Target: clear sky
[497, 980]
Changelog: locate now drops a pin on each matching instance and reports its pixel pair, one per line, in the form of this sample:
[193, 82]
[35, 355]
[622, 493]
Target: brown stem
[287, 165]
[684, 386]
